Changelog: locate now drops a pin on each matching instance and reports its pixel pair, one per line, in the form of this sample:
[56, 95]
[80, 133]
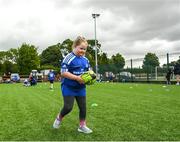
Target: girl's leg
[81, 101]
[68, 105]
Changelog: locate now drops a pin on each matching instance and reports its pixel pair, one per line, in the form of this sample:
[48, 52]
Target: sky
[129, 27]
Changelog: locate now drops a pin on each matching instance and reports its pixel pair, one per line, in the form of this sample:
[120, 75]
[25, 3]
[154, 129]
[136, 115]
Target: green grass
[124, 112]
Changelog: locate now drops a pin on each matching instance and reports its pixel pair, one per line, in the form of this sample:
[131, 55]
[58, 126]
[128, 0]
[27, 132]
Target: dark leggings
[68, 105]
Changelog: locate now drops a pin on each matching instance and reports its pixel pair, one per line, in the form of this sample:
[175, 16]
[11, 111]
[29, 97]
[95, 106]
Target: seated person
[32, 80]
[26, 83]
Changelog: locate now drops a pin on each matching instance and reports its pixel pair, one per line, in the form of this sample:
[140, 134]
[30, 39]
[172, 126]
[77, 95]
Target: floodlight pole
[167, 61]
[156, 72]
[131, 71]
[94, 17]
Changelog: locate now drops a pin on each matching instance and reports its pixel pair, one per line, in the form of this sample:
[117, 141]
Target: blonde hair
[78, 41]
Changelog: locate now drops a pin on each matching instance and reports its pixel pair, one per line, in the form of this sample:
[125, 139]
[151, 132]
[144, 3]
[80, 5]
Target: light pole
[95, 16]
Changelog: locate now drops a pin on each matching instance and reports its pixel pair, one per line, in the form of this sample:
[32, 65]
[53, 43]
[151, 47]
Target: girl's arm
[72, 77]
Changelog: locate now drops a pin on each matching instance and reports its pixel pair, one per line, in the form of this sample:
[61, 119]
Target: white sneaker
[56, 124]
[85, 129]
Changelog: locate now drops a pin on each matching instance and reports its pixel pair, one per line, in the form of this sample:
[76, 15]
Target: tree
[51, 56]
[3, 56]
[66, 47]
[178, 61]
[170, 64]
[1, 68]
[67, 44]
[8, 61]
[7, 67]
[54, 54]
[28, 58]
[12, 55]
[150, 62]
[103, 62]
[117, 62]
[103, 59]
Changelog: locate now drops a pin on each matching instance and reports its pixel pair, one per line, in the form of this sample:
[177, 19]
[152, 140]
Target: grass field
[124, 112]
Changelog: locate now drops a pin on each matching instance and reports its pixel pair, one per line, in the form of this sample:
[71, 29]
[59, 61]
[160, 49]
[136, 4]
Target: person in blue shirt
[51, 78]
[73, 87]
[32, 80]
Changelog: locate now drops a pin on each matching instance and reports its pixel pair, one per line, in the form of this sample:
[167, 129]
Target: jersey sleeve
[64, 67]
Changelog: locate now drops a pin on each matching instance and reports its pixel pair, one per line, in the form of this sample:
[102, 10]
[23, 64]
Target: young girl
[73, 87]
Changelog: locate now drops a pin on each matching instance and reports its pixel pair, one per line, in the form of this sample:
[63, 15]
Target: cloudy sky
[129, 27]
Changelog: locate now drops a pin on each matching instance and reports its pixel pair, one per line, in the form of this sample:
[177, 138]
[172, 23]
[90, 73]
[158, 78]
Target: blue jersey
[76, 65]
[51, 76]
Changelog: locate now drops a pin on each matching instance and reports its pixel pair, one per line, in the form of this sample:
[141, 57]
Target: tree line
[25, 58]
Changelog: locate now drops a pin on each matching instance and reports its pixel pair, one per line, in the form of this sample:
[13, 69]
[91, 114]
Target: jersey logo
[64, 66]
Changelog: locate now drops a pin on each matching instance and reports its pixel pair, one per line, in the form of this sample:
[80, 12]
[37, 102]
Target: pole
[131, 72]
[156, 72]
[167, 61]
[95, 46]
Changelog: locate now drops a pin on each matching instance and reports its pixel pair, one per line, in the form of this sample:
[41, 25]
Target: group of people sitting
[33, 79]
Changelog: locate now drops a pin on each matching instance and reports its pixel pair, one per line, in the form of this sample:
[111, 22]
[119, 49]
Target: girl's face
[81, 49]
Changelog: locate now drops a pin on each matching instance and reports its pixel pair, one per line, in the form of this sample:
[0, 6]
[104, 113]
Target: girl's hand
[79, 79]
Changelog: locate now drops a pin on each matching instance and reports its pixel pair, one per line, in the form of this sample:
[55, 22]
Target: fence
[133, 70]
